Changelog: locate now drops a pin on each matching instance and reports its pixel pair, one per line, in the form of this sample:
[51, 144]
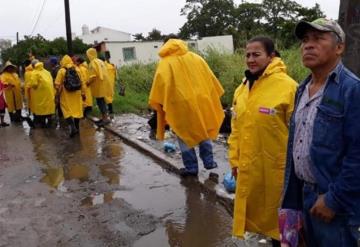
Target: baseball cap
[322, 25]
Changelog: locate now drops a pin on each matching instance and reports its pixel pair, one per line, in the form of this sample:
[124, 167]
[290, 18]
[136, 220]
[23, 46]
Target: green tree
[139, 37]
[207, 18]
[248, 18]
[154, 35]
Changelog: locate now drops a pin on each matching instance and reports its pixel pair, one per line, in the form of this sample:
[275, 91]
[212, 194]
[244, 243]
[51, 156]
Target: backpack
[72, 80]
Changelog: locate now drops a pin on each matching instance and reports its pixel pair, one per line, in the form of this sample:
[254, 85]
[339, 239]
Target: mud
[95, 191]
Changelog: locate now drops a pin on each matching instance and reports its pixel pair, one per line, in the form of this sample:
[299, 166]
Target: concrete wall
[221, 43]
[105, 34]
[147, 51]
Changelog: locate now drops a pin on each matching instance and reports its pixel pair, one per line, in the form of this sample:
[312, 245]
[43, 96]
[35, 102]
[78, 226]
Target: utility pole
[17, 37]
[349, 19]
[68, 27]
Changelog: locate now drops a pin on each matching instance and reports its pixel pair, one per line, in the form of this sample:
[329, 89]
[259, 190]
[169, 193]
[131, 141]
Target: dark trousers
[102, 105]
[320, 234]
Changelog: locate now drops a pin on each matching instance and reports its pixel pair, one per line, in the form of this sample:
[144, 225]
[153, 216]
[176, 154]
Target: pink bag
[2, 97]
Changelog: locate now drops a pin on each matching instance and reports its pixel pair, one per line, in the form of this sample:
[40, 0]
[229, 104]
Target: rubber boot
[18, 116]
[77, 124]
[12, 117]
[72, 128]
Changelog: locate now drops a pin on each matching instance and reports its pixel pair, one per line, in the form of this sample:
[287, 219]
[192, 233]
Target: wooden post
[349, 19]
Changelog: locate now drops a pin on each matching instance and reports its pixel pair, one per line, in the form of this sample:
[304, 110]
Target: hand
[234, 172]
[321, 211]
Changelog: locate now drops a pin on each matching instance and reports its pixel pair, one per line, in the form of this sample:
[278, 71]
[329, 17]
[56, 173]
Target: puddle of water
[99, 199]
[111, 172]
[77, 171]
[189, 217]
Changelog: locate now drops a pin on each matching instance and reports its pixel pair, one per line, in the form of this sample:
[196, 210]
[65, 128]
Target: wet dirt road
[93, 190]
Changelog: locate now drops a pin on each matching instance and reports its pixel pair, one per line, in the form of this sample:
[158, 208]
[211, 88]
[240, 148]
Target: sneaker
[187, 173]
[212, 166]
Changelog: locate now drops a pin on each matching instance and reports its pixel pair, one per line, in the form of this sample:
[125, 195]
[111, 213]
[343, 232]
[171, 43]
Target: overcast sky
[133, 16]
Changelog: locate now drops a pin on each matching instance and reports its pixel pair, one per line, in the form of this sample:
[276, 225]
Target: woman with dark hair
[262, 107]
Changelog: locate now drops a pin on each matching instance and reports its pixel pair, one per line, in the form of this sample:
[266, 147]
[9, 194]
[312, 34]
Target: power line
[38, 18]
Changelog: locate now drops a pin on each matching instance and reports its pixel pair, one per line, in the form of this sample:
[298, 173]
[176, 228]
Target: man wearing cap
[322, 179]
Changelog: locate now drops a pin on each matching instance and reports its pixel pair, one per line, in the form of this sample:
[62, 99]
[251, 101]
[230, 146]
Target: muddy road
[93, 190]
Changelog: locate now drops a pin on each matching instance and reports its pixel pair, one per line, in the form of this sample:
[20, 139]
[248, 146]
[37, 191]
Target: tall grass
[229, 69]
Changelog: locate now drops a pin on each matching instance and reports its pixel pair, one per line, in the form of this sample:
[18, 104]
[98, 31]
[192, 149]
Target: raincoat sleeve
[33, 82]
[82, 79]
[60, 78]
[6, 80]
[234, 137]
[290, 108]
[157, 96]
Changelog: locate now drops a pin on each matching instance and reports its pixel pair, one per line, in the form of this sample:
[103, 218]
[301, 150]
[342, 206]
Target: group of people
[294, 148]
[68, 89]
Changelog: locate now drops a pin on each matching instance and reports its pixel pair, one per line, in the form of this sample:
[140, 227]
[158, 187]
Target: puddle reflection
[99, 199]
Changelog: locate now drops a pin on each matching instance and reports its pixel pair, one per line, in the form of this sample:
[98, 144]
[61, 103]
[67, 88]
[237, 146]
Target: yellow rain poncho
[12, 91]
[70, 102]
[257, 147]
[112, 78]
[84, 71]
[27, 79]
[42, 91]
[98, 75]
[186, 95]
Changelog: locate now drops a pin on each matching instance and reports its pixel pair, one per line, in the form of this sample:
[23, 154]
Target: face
[257, 58]
[319, 49]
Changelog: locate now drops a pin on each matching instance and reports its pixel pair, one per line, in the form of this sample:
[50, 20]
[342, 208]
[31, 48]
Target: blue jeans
[320, 234]
[190, 159]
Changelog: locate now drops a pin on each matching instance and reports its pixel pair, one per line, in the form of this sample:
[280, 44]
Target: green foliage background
[229, 69]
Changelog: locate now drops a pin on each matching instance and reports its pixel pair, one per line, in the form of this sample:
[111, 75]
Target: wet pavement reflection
[104, 170]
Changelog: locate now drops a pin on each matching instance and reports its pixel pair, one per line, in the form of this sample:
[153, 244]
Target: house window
[129, 53]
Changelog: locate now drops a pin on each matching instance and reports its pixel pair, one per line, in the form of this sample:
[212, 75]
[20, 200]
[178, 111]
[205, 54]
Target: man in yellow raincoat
[42, 96]
[112, 78]
[186, 95]
[71, 102]
[99, 83]
[84, 72]
[13, 96]
[262, 107]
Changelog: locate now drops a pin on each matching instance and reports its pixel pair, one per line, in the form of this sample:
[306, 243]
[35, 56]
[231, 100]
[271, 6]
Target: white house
[128, 52]
[100, 34]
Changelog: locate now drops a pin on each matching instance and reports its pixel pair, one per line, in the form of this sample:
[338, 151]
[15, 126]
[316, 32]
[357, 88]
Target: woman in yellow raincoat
[99, 83]
[262, 107]
[71, 102]
[84, 72]
[112, 78]
[13, 96]
[42, 96]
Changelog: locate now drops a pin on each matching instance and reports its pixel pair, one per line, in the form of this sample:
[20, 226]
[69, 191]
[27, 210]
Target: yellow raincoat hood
[39, 66]
[173, 47]
[29, 68]
[94, 62]
[91, 54]
[66, 62]
[186, 95]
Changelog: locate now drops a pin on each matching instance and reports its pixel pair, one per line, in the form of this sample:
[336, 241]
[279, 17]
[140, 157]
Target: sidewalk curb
[172, 165]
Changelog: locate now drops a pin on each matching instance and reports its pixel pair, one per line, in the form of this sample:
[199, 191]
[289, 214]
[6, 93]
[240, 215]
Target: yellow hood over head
[66, 62]
[91, 54]
[173, 47]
